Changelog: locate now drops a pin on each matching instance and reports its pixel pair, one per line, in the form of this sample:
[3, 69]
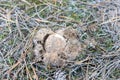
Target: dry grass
[98, 23]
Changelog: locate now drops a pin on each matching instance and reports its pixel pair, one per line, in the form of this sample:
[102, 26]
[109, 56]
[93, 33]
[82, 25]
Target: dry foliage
[96, 21]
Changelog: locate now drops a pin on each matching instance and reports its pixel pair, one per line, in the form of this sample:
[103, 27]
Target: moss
[11, 60]
[1, 37]
[116, 73]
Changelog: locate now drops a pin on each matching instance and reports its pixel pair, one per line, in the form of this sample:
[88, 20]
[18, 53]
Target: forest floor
[98, 24]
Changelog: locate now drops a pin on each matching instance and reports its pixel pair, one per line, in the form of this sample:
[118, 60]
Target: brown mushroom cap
[72, 49]
[55, 43]
[60, 32]
[73, 46]
[38, 41]
[68, 33]
[41, 34]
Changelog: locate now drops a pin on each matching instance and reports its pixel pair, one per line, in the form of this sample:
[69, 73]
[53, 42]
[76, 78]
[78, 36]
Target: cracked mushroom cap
[72, 49]
[55, 43]
[73, 46]
[38, 41]
[38, 52]
[41, 35]
[60, 31]
[68, 33]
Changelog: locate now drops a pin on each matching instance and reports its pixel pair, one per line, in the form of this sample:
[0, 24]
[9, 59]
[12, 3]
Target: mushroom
[56, 47]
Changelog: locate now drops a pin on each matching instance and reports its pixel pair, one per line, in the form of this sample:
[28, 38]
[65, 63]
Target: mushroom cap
[38, 52]
[55, 43]
[60, 31]
[73, 46]
[38, 41]
[68, 33]
[41, 34]
[72, 49]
